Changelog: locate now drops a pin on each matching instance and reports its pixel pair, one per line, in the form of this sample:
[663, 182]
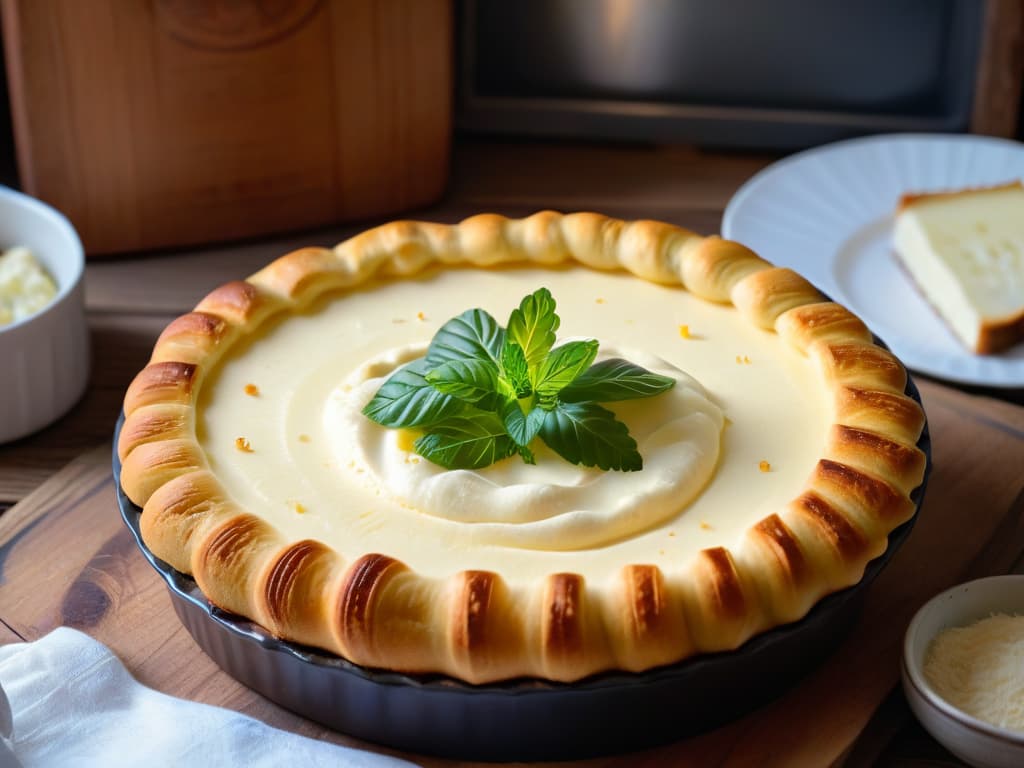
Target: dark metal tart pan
[526, 719]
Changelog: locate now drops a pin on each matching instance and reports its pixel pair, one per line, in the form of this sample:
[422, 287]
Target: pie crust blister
[473, 625]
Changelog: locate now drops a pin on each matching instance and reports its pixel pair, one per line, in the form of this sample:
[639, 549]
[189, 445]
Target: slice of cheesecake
[965, 251]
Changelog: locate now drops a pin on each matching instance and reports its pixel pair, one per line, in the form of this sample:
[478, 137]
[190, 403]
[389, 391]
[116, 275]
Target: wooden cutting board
[166, 122]
[66, 558]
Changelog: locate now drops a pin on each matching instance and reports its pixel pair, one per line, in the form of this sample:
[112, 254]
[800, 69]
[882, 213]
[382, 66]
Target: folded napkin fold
[73, 703]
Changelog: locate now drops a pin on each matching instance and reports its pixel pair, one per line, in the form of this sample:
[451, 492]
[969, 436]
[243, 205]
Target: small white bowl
[44, 358]
[973, 741]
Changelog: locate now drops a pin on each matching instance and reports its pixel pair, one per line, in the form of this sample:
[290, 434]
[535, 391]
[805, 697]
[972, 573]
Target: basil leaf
[515, 368]
[407, 400]
[563, 365]
[532, 326]
[474, 334]
[521, 427]
[466, 442]
[469, 393]
[615, 379]
[468, 380]
[587, 434]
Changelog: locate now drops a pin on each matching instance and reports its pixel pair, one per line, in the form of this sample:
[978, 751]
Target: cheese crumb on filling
[553, 505]
[980, 669]
[25, 287]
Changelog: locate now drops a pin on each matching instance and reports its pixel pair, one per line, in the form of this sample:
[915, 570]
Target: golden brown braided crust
[378, 612]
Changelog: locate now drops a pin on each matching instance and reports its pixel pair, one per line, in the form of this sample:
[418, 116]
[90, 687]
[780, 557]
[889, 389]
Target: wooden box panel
[166, 122]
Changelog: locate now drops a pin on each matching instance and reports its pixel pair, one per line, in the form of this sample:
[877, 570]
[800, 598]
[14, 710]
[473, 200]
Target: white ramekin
[974, 741]
[44, 359]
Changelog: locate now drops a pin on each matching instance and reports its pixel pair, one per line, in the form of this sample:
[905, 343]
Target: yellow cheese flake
[420, 316]
[599, 301]
[243, 444]
[406, 439]
[297, 507]
[304, 438]
[252, 390]
[705, 525]
[684, 331]
[764, 466]
[746, 360]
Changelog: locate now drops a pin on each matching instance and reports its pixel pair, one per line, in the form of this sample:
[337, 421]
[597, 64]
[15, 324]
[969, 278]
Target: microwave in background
[784, 74]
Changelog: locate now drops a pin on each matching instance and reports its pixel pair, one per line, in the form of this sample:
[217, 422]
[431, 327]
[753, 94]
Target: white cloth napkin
[74, 704]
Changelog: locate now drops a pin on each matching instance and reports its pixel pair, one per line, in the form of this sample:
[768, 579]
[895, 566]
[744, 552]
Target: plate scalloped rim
[827, 212]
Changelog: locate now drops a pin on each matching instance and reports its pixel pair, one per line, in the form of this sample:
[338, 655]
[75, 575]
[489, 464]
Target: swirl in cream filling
[553, 505]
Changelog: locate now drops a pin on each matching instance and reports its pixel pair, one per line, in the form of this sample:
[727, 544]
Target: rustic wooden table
[66, 558]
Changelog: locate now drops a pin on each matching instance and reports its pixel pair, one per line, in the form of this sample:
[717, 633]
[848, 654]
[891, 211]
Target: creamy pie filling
[732, 442]
[553, 504]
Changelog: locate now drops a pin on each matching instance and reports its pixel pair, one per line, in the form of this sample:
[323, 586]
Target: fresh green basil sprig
[483, 393]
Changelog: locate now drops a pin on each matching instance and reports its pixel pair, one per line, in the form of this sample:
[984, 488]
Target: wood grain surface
[997, 89]
[7, 635]
[66, 558]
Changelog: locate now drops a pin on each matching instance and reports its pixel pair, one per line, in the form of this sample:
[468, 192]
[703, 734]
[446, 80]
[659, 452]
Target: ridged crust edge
[474, 626]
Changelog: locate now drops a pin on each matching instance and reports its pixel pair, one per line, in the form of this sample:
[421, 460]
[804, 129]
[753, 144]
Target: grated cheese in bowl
[980, 669]
[25, 287]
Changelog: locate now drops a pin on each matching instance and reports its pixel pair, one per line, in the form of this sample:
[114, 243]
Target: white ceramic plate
[828, 213]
